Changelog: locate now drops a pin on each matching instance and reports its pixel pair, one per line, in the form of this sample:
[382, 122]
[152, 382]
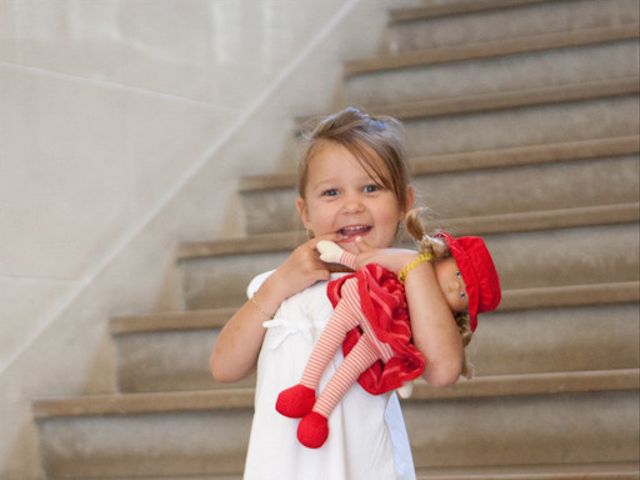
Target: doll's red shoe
[296, 402]
[313, 430]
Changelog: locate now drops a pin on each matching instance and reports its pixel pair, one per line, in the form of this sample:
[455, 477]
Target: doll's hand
[330, 252]
[301, 269]
[392, 259]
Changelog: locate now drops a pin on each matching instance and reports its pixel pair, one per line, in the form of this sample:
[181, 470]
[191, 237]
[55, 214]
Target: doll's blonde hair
[436, 246]
[377, 142]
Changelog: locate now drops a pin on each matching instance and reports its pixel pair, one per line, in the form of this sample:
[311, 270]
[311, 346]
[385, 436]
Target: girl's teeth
[354, 230]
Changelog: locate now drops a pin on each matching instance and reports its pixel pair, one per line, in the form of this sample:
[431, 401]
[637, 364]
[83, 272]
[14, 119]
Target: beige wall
[123, 128]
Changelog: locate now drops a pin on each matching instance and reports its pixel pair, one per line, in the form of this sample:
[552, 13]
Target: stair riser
[545, 340]
[155, 444]
[595, 427]
[533, 259]
[557, 339]
[549, 17]
[610, 117]
[540, 69]
[168, 361]
[527, 430]
[484, 192]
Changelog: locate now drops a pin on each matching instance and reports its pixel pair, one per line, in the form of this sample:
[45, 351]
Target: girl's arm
[435, 332]
[237, 347]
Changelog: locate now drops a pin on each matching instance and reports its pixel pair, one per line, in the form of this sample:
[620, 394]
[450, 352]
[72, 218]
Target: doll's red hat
[478, 272]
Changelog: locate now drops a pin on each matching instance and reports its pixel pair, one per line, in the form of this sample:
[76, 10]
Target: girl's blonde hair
[375, 141]
[436, 246]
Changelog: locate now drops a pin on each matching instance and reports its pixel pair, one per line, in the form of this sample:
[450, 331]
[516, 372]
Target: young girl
[353, 190]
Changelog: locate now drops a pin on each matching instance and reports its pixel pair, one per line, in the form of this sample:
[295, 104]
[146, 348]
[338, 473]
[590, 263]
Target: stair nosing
[533, 384]
[412, 14]
[204, 319]
[497, 223]
[242, 398]
[608, 471]
[481, 159]
[492, 49]
[512, 300]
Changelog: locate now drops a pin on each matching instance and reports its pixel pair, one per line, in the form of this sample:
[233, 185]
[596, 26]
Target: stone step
[479, 159]
[505, 100]
[548, 339]
[275, 193]
[170, 351]
[516, 127]
[455, 23]
[518, 189]
[490, 49]
[604, 471]
[591, 471]
[483, 76]
[525, 259]
[126, 435]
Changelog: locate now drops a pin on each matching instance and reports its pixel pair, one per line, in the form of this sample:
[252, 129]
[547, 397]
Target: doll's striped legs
[298, 400]
[313, 429]
[361, 357]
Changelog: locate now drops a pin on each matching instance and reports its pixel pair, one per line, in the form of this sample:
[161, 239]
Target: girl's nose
[353, 204]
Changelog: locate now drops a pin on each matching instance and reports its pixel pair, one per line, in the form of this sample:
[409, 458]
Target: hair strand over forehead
[376, 142]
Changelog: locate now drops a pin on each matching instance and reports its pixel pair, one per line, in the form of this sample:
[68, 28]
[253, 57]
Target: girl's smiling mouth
[350, 232]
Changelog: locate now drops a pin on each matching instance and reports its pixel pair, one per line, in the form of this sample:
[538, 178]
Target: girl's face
[341, 197]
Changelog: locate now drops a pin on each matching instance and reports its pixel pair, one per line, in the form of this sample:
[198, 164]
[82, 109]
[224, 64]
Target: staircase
[522, 123]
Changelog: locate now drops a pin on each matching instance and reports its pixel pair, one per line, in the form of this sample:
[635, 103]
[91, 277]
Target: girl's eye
[332, 192]
[371, 188]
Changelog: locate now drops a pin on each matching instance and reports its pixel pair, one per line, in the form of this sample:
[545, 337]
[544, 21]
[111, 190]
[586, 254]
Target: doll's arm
[331, 252]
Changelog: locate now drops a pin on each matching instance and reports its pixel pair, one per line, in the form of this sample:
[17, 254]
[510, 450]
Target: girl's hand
[301, 269]
[392, 259]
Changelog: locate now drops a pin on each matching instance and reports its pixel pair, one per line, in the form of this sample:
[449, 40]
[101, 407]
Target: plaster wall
[124, 126]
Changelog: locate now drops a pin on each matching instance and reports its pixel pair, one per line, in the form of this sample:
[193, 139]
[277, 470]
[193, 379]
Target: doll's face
[342, 197]
[452, 284]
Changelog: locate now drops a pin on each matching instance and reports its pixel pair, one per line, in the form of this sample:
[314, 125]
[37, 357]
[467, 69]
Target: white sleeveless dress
[367, 436]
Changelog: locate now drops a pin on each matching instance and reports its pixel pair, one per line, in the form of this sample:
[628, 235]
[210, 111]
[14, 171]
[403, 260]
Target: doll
[371, 321]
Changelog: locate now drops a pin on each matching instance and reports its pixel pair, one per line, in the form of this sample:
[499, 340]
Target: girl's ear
[301, 206]
[411, 198]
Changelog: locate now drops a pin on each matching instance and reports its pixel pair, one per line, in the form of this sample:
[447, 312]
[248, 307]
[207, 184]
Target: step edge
[203, 319]
[242, 398]
[411, 14]
[620, 470]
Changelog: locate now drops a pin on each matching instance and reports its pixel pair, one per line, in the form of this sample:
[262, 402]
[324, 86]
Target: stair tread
[493, 48]
[405, 14]
[516, 299]
[626, 470]
[507, 222]
[166, 321]
[481, 159]
[242, 398]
